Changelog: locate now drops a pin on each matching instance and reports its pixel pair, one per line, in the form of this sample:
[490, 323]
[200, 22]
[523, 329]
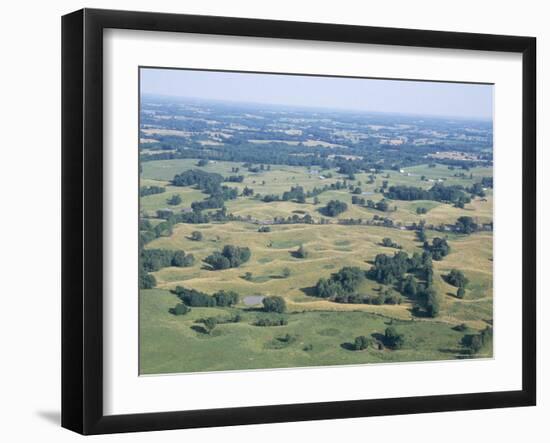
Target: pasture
[321, 329]
[171, 343]
[282, 177]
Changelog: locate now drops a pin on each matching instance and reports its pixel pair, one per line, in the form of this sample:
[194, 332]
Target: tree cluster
[174, 200]
[439, 248]
[206, 181]
[152, 260]
[466, 225]
[335, 207]
[296, 193]
[475, 342]
[437, 192]
[266, 321]
[389, 243]
[192, 297]
[342, 283]
[150, 190]
[230, 257]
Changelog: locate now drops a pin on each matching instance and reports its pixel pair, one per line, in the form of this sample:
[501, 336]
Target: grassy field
[330, 248]
[173, 344]
[281, 178]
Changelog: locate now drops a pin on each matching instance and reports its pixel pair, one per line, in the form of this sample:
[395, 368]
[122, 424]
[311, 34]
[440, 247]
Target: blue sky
[370, 95]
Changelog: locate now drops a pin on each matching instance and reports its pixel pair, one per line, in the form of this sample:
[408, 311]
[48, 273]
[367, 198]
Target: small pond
[251, 300]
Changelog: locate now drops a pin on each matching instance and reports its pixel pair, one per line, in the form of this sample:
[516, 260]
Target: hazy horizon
[407, 97]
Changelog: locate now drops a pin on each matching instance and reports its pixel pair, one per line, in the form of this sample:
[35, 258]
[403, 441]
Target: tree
[174, 200]
[466, 225]
[389, 243]
[286, 272]
[382, 205]
[473, 342]
[393, 339]
[360, 343]
[316, 200]
[460, 292]
[274, 303]
[432, 302]
[179, 259]
[146, 280]
[335, 207]
[189, 260]
[302, 252]
[226, 298]
[421, 235]
[196, 236]
[391, 297]
[209, 324]
[180, 309]
[248, 191]
[218, 261]
[202, 162]
[248, 276]
[457, 278]
[439, 248]
[410, 287]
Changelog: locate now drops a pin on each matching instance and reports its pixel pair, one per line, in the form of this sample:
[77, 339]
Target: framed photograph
[270, 221]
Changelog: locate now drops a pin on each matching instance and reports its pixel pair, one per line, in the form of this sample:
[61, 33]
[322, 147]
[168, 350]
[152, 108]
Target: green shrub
[274, 303]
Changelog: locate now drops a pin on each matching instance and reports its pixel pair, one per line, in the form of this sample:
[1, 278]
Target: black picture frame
[82, 218]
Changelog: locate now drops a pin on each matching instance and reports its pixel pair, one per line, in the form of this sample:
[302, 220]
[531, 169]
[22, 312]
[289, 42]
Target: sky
[370, 95]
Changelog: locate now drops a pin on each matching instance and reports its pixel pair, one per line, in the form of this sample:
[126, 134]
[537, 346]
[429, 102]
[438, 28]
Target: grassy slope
[169, 344]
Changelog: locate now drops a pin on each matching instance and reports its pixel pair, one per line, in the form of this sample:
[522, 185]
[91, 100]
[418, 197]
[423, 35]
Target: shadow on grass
[310, 291]
[253, 309]
[294, 254]
[381, 338]
[199, 329]
[348, 346]
[419, 313]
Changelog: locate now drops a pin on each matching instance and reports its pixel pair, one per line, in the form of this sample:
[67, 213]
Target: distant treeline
[369, 154]
[438, 192]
